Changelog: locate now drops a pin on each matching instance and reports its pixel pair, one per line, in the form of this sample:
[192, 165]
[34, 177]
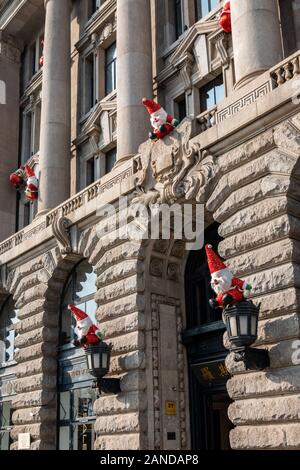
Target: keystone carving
[172, 169]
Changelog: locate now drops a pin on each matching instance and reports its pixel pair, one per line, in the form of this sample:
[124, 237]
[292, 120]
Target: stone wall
[256, 200]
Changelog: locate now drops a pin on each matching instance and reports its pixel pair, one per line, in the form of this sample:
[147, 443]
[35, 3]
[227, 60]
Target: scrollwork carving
[60, 229]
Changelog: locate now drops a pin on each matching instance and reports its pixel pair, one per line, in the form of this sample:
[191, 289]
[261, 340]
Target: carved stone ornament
[60, 229]
[172, 169]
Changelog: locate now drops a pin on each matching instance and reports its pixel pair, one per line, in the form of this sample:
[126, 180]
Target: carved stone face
[221, 281]
[158, 118]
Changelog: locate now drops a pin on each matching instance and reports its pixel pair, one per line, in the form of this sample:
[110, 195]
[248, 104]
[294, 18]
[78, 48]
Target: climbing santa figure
[162, 123]
[87, 332]
[229, 289]
[225, 18]
[32, 184]
[18, 178]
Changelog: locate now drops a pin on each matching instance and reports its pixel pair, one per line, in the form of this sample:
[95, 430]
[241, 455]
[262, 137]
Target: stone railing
[207, 119]
[286, 70]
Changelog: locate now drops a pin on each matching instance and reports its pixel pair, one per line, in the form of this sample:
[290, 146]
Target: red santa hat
[77, 313]
[214, 262]
[151, 105]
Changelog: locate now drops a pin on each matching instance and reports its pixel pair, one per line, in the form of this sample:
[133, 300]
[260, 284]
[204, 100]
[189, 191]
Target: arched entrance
[206, 354]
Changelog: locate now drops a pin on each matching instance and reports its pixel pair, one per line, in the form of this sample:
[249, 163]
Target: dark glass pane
[178, 18]
[90, 171]
[83, 401]
[83, 438]
[202, 8]
[5, 422]
[8, 319]
[181, 112]
[111, 69]
[111, 157]
[220, 89]
[212, 93]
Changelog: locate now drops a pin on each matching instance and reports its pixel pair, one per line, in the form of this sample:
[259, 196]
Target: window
[212, 93]
[203, 7]
[5, 423]
[89, 83]
[290, 22]
[90, 171]
[30, 131]
[110, 160]
[76, 396]
[76, 419]
[110, 69]
[36, 54]
[79, 290]
[8, 318]
[178, 18]
[180, 109]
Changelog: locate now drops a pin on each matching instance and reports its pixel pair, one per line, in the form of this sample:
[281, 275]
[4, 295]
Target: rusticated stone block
[34, 351]
[271, 231]
[42, 445]
[37, 321]
[271, 185]
[46, 432]
[118, 442]
[128, 250]
[34, 415]
[123, 306]
[133, 380]
[44, 381]
[36, 366]
[265, 410]
[272, 382]
[280, 328]
[124, 423]
[30, 295]
[119, 271]
[282, 354]
[123, 403]
[280, 252]
[278, 303]
[128, 342]
[125, 324]
[34, 399]
[134, 360]
[272, 162]
[32, 308]
[121, 288]
[33, 337]
[274, 279]
[258, 437]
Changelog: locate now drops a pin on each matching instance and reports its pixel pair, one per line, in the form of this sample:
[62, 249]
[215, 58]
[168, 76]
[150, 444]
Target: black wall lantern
[241, 320]
[98, 360]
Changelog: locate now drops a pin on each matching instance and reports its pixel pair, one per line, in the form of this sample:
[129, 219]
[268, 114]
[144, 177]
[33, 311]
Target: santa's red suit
[31, 190]
[162, 122]
[229, 289]
[225, 18]
[88, 332]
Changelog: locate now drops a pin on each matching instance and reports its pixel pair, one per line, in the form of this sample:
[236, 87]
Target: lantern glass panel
[233, 327]
[243, 324]
[90, 363]
[96, 357]
[104, 360]
[253, 325]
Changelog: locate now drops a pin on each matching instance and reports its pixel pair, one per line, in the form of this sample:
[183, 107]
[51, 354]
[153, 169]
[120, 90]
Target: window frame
[5, 428]
[111, 63]
[209, 86]
[210, 8]
[7, 328]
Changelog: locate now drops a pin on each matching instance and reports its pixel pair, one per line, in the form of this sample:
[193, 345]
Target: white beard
[161, 116]
[224, 278]
[83, 326]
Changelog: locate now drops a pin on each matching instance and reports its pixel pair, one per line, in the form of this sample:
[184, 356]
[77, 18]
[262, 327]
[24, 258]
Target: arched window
[76, 395]
[8, 318]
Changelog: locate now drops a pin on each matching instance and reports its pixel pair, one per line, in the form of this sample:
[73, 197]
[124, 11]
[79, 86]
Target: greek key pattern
[238, 105]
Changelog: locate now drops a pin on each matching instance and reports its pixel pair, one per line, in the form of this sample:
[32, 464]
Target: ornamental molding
[61, 231]
[173, 169]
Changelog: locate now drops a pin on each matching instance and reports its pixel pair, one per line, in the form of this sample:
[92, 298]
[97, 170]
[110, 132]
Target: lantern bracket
[253, 358]
[107, 385]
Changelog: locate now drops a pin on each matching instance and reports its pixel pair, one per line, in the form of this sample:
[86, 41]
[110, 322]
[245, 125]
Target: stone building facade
[73, 111]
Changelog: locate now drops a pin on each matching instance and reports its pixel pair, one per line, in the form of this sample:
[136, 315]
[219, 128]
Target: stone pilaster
[257, 204]
[256, 38]
[56, 107]
[134, 74]
[9, 134]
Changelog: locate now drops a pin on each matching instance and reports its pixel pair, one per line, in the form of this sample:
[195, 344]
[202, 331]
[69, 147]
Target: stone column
[56, 107]
[134, 74]
[256, 38]
[9, 131]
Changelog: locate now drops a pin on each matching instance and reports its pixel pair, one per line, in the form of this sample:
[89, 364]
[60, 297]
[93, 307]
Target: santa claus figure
[32, 184]
[18, 178]
[225, 18]
[229, 289]
[162, 123]
[87, 332]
